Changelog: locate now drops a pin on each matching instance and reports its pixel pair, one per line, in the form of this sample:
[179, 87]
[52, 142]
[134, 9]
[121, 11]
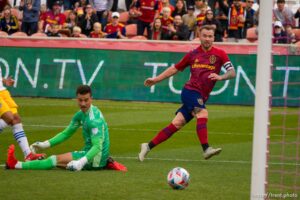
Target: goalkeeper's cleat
[210, 152]
[144, 151]
[11, 159]
[37, 156]
[112, 164]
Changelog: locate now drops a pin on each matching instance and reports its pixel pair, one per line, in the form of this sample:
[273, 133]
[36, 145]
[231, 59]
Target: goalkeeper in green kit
[95, 154]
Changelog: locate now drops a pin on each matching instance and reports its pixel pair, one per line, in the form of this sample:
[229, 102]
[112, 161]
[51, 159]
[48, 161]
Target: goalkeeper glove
[37, 146]
[77, 165]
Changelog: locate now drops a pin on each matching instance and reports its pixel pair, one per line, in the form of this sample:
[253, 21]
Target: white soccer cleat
[210, 152]
[144, 150]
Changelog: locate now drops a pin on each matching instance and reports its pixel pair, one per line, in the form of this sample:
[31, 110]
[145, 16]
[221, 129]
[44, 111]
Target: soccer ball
[178, 178]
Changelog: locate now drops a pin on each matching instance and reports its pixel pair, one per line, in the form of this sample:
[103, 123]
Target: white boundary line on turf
[210, 161]
[145, 130]
[133, 129]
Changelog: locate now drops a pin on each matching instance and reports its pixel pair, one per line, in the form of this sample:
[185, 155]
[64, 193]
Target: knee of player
[16, 119]
[178, 123]
[200, 112]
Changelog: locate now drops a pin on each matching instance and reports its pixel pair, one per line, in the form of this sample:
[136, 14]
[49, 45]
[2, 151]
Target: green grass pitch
[226, 176]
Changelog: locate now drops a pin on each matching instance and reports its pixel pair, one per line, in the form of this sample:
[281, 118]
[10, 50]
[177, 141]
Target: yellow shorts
[7, 103]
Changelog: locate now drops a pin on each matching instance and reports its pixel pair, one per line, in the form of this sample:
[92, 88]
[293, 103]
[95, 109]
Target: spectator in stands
[166, 19]
[71, 21]
[52, 17]
[102, 8]
[297, 15]
[291, 36]
[249, 19]
[156, 30]
[163, 4]
[283, 14]
[79, 8]
[87, 20]
[180, 8]
[189, 19]
[4, 3]
[43, 10]
[68, 4]
[212, 21]
[236, 21]
[31, 15]
[53, 31]
[147, 11]
[178, 30]
[279, 35]
[115, 30]
[200, 8]
[220, 14]
[9, 23]
[76, 32]
[133, 14]
[97, 32]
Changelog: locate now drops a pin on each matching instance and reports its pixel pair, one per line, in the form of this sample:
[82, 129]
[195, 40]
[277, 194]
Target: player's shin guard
[21, 138]
[163, 135]
[48, 163]
[202, 132]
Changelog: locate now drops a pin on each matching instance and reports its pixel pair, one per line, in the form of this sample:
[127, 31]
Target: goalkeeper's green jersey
[95, 135]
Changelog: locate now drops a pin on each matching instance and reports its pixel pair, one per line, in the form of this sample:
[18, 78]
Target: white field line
[142, 130]
[242, 162]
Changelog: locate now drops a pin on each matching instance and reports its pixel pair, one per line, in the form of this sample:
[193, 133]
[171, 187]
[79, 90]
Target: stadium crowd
[233, 20]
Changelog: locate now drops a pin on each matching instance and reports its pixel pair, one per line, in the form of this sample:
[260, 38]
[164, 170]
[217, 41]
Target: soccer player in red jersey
[205, 65]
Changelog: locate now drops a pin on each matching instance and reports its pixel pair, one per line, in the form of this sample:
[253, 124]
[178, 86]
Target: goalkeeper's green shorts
[95, 164]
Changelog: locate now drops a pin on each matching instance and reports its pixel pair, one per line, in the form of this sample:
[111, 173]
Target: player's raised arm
[165, 74]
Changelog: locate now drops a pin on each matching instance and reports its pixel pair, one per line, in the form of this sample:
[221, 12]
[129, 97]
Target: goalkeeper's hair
[83, 89]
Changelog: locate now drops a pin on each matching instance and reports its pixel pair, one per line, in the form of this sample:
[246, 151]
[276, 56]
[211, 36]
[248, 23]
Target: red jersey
[148, 9]
[112, 31]
[199, 19]
[50, 18]
[96, 35]
[165, 23]
[202, 64]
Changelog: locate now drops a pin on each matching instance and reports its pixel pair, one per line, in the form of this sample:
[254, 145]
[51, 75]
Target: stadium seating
[124, 17]
[2, 33]
[139, 37]
[38, 35]
[19, 34]
[297, 33]
[131, 30]
[251, 34]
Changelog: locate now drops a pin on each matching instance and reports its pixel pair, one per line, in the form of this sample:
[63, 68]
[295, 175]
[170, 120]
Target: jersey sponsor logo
[94, 131]
[212, 59]
[203, 66]
[147, 8]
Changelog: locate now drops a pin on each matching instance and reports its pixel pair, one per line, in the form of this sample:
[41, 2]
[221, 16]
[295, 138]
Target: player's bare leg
[177, 123]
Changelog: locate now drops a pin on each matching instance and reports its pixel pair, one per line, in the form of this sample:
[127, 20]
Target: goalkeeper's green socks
[48, 163]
